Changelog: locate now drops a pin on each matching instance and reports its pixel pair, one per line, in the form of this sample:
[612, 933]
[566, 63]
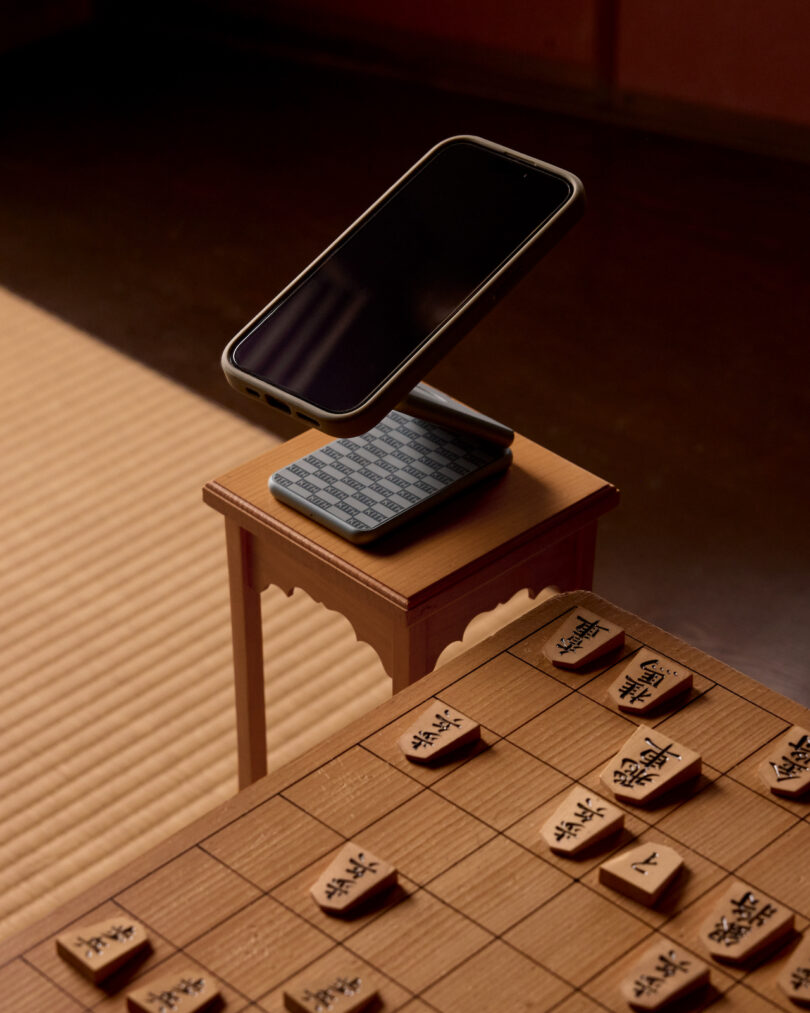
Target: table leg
[584, 557]
[409, 659]
[415, 648]
[248, 657]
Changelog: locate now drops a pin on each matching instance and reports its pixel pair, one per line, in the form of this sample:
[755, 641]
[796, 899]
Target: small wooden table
[485, 915]
[415, 591]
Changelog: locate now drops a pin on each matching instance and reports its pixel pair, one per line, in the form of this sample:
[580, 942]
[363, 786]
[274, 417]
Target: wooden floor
[159, 196]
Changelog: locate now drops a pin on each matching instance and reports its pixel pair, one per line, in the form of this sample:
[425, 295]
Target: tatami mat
[116, 711]
[116, 715]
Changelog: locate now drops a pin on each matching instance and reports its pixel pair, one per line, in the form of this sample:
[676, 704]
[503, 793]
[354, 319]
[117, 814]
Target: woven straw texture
[116, 713]
[116, 705]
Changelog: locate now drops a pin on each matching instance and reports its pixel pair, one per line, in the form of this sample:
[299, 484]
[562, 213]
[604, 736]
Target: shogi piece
[580, 822]
[642, 872]
[184, 993]
[795, 977]
[744, 923]
[648, 765]
[647, 682]
[438, 731]
[353, 876]
[100, 949]
[786, 771]
[349, 994]
[582, 637]
[662, 976]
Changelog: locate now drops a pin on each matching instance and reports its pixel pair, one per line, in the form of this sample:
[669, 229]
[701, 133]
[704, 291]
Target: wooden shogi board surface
[485, 917]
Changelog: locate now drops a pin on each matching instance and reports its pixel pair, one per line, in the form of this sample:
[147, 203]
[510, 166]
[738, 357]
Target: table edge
[234, 507]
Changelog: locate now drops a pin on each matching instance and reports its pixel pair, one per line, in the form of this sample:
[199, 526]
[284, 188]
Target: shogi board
[485, 917]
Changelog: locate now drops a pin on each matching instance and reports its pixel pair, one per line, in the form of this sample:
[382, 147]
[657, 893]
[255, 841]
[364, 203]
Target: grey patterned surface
[367, 481]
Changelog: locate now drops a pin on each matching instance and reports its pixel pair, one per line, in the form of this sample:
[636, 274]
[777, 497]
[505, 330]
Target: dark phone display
[361, 313]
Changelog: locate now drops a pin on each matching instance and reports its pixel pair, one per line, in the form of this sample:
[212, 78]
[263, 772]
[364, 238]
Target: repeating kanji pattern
[364, 481]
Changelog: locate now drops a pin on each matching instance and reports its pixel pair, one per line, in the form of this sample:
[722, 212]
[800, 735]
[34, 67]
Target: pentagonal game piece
[664, 974]
[349, 994]
[642, 872]
[354, 875]
[580, 821]
[583, 636]
[648, 681]
[438, 731]
[795, 977]
[743, 923]
[188, 992]
[648, 765]
[99, 949]
[786, 770]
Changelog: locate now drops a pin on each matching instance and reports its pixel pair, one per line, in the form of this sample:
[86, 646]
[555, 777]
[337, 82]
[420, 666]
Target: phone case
[396, 387]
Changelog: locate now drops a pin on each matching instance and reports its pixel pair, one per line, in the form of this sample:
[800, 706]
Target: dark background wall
[735, 70]
[164, 170]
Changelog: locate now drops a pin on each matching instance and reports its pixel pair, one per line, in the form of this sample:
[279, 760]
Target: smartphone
[345, 342]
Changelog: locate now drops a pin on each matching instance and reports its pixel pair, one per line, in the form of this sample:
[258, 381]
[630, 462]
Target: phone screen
[379, 295]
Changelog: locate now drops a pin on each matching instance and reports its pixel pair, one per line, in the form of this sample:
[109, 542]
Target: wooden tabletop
[541, 496]
[485, 916]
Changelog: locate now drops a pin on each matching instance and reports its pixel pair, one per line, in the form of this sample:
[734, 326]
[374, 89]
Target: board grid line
[46, 977]
[499, 936]
[424, 883]
[660, 929]
[426, 888]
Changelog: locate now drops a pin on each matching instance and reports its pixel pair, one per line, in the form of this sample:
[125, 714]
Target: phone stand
[431, 404]
[362, 487]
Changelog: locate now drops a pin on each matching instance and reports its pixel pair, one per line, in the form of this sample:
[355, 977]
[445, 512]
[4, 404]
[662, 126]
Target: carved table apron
[415, 591]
